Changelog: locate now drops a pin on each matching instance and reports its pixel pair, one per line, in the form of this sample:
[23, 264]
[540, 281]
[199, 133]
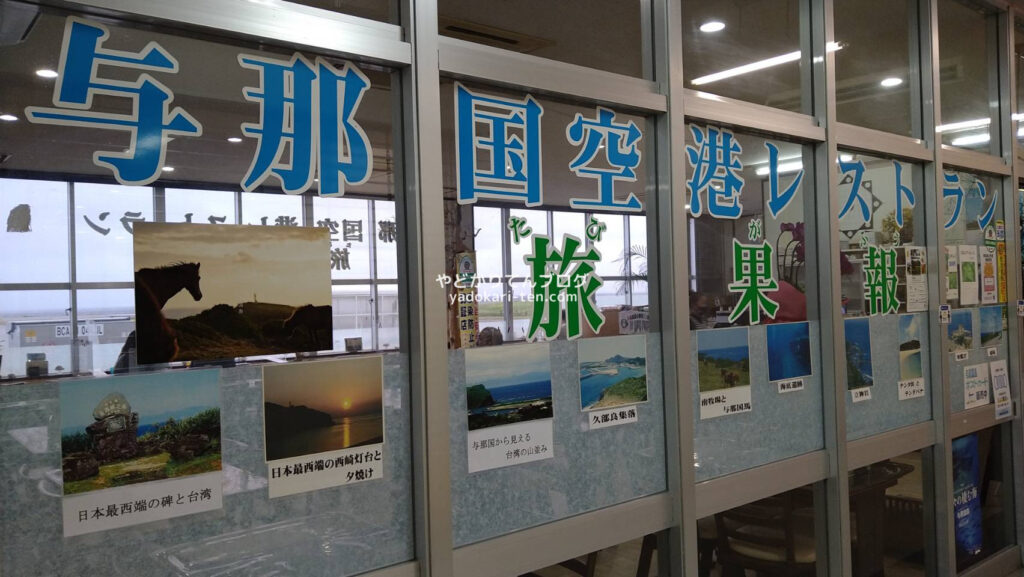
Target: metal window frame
[422, 56]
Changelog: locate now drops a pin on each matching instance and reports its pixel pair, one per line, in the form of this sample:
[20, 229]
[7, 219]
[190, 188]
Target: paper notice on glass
[917, 279]
[952, 274]
[968, 256]
[723, 402]
[1001, 389]
[505, 445]
[976, 386]
[987, 264]
[610, 417]
[1001, 270]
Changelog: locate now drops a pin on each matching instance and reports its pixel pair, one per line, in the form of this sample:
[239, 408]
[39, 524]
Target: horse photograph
[210, 292]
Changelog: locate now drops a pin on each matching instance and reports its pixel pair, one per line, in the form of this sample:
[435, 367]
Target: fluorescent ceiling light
[8, 117]
[46, 73]
[891, 82]
[845, 157]
[712, 26]
[783, 168]
[234, 140]
[964, 125]
[759, 65]
[168, 169]
[971, 139]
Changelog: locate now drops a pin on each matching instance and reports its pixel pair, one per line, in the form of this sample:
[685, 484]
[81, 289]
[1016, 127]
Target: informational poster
[960, 333]
[917, 278]
[613, 378]
[976, 392]
[1001, 269]
[218, 291]
[139, 448]
[952, 274]
[968, 256]
[966, 496]
[465, 287]
[323, 424]
[723, 371]
[993, 325]
[1001, 389]
[509, 405]
[911, 383]
[859, 370]
[989, 283]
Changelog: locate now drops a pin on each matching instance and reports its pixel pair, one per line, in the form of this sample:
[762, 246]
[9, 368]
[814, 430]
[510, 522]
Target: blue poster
[966, 497]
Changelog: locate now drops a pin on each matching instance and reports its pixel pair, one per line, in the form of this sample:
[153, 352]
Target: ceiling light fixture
[964, 125]
[784, 167]
[712, 26]
[8, 117]
[891, 82]
[234, 140]
[46, 73]
[759, 65]
[168, 169]
[971, 139]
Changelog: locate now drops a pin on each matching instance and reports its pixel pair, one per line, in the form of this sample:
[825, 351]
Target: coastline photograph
[858, 354]
[910, 347]
[613, 371]
[789, 350]
[134, 429]
[993, 323]
[960, 330]
[319, 407]
[508, 384]
[211, 292]
[723, 359]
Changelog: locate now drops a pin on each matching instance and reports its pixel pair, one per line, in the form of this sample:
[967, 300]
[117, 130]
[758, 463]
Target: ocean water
[910, 364]
[350, 432]
[522, 392]
[729, 353]
[592, 386]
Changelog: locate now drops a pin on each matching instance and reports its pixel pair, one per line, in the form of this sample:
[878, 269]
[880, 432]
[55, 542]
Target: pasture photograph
[207, 292]
[318, 407]
[723, 359]
[139, 428]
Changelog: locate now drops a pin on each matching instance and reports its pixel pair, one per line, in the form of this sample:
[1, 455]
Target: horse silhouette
[314, 319]
[154, 339]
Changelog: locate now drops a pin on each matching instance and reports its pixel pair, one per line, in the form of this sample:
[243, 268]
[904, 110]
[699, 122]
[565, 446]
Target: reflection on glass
[887, 517]
[750, 51]
[772, 536]
[199, 206]
[104, 216]
[968, 75]
[105, 319]
[351, 232]
[35, 245]
[874, 88]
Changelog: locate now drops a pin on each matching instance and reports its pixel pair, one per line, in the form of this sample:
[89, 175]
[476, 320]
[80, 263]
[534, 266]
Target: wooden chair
[766, 537]
[584, 569]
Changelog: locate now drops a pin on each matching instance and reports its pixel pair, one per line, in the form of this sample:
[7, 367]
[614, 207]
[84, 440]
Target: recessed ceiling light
[168, 169]
[712, 26]
[8, 117]
[235, 139]
[892, 81]
[845, 157]
[46, 73]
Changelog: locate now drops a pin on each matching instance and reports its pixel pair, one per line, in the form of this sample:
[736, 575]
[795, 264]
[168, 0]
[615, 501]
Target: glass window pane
[353, 317]
[969, 75]
[538, 221]
[982, 495]
[387, 239]
[874, 87]
[271, 209]
[104, 214]
[603, 34]
[489, 233]
[775, 535]
[638, 260]
[35, 244]
[884, 272]
[491, 311]
[573, 223]
[105, 318]
[371, 9]
[746, 50]
[351, 234]
[612, 246]
[388, 319]
[201, 206]
[887, 517]
[35, 333]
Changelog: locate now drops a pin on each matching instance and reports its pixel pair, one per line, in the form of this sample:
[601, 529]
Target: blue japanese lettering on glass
[986, 217]
[951, 189]
[311, 106]
[151, 123]
[716, 172]
[497, 147]
[857, 168]
[902, 191]
[620, 142]
[778, 202]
